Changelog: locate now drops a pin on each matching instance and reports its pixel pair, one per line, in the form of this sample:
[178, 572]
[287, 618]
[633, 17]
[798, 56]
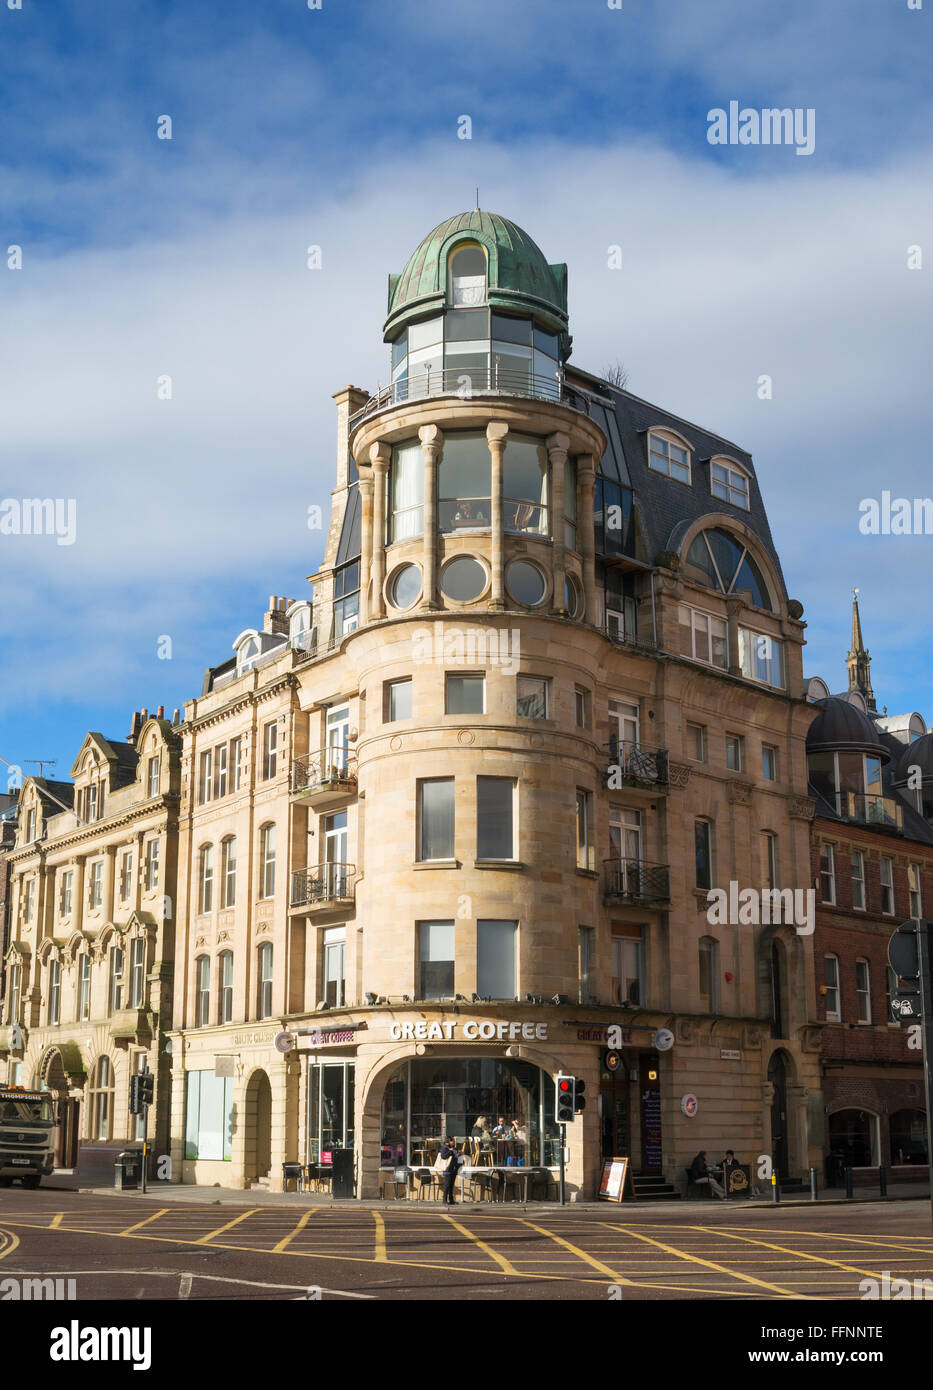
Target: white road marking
[211, 1278]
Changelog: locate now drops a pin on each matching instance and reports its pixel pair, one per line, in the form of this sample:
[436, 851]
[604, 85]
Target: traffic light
[141, 1092]
[579, 1103]
[566, 1089]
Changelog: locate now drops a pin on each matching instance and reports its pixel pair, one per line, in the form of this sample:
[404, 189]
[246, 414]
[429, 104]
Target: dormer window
[91, 803]
[668, 453]
[299, 627]
[246, 656]
[719, 561]
[466, 270]
[730, 482]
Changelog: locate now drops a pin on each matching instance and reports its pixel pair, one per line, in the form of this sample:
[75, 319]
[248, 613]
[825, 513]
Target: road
[128, 1246]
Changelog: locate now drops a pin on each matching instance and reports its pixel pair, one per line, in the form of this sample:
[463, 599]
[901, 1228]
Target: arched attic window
[466, 276]
[722, 562]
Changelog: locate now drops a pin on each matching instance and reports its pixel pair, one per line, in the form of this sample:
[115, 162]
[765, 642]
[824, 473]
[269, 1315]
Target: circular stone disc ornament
[664, 1039]
[689, 1105]
[284, 1042]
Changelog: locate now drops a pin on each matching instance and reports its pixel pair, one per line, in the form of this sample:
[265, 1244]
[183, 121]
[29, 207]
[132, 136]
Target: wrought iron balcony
[321, 885]
[882, 811]
[638, 764]
[479, 381]
[635, 880]
[327, 776]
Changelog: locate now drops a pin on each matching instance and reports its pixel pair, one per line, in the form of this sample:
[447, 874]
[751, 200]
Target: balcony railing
[328, 770]
[637, 762]
[636, 880]
[323, 883]
[622, 637]
[883, 811]
[479, 381]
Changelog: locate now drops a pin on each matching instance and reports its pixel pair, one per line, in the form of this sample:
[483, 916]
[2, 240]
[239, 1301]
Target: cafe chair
[293, 1172]
[428, 1183]
[512, 1181]
[482, 1183]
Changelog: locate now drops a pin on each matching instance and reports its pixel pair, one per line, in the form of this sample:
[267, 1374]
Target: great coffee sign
[469, 1030]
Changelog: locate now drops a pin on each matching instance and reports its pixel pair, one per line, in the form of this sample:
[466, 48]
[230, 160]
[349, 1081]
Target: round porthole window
[463, 579]
[406, 586]
[525, 583]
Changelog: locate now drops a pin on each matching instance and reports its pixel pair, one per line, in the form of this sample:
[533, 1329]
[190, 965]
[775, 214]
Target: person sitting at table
[502, 1130]
[518, 1132]
[480, 1129]
[699, 1173]
[464, 512]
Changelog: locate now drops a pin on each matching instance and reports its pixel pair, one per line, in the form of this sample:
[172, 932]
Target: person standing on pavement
[451, 1160]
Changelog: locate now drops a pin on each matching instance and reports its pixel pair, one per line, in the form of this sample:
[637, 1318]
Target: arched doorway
[777, 1075]
[850, 1136]
[258, 1129]
[51, 1077]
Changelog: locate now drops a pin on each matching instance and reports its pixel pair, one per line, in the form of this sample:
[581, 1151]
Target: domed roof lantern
[841, 727]
[916, 754]
[518, 277]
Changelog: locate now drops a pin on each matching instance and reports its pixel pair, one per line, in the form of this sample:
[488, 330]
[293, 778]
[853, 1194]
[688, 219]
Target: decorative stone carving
[678, 774]
[740, 793]
[811, 1038]
[752, 1037]
[802, 807]
[263, 927]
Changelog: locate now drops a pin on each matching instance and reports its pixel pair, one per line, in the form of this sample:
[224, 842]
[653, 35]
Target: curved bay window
[464, 482]
[407, 492]
[427, 1100]
[524, 486]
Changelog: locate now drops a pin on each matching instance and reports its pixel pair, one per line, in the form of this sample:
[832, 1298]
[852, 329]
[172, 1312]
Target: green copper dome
[519, 279]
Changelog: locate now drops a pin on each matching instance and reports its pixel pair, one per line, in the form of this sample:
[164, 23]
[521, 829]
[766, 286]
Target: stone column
[496, 437]
[380, 456]
[586, 487]
[79, 888]
[366, 541]
[557, 446]
[107, 896]
[432, 444]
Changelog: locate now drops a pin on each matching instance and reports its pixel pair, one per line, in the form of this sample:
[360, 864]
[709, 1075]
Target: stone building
[447, 824]
[871, 775]
[89, 961]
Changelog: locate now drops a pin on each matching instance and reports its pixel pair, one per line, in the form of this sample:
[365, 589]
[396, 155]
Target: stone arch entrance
[780, 1074]
[53, 1077]
[257, 1130]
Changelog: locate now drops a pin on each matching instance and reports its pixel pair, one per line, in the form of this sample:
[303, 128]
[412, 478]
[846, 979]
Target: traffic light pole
[926, 1001]
[563, 1150]
[145, 1142]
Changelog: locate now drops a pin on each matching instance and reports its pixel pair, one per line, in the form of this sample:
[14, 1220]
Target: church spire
[858, 660]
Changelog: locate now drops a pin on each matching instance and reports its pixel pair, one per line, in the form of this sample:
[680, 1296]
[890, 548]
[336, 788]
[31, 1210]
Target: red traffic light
[563, 1085]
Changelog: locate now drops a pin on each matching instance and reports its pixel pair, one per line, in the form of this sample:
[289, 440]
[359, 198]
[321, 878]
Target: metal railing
[638, 762]
[636, 880]
[322, 883]
[456, 381]
[871, 810]
[629, 639]
[331, 768]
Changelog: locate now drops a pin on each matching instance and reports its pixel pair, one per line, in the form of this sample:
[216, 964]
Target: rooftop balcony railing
[883, 811]
[638, 763]
[635, 880]
[322, 885]
[478, 381]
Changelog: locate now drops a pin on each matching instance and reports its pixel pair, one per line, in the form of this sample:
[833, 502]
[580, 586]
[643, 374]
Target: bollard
[883, 1182]
[848, 1182]
[775, 1190]
[812, 1184]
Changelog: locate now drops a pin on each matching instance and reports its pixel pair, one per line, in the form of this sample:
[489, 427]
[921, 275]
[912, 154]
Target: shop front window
[500, 1109]
[330, 1109]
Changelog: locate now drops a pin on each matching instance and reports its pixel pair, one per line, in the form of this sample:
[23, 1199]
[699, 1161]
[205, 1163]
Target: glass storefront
[330, 1109]
[498, 1111]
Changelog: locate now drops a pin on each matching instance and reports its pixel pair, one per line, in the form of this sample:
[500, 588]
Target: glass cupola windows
[471, 347]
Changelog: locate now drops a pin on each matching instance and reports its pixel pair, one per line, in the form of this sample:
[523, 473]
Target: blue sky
[338, 127]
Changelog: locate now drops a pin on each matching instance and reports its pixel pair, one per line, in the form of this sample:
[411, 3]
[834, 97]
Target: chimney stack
[135, 726]
[176, 718]
[275, 619]
[160, 712]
